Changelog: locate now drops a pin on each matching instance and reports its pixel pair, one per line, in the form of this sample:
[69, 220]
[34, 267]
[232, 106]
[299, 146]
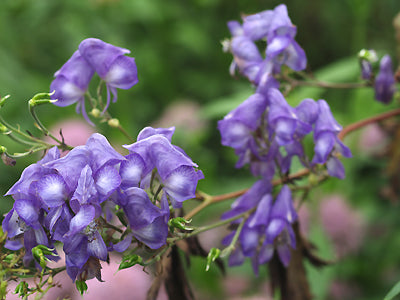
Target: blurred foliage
[177, 48]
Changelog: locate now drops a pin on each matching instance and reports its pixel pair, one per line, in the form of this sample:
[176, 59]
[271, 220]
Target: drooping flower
[385, 83]
[114, 68]
[267, 229]
[327, 144]
[111, 64]
[71, 83]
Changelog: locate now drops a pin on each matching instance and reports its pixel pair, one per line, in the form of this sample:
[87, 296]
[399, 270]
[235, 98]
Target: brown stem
[331, 85]
[365, 122]
[208, 200]
[291, 281]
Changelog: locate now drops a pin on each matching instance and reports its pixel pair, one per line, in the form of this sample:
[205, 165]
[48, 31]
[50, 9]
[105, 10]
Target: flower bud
[129, 261]
[212, 256]
[95, 113]
[114, 123]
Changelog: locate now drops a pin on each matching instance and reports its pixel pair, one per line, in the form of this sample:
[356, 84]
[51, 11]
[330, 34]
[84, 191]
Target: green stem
[209, 227]
[41, 126]
[231, 246]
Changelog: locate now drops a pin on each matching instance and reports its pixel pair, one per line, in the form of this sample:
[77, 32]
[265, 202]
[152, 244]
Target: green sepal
[39, 253]
[129, 261]
[212, 256]
[22, 288]
[81, 286]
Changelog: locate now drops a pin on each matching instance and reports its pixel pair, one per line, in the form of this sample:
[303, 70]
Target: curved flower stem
[208, 199]
[41, 126]
[329, 85]
[367, 121]
[228, 250]
[209, 227]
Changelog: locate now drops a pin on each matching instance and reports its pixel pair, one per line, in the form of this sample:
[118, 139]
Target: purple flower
[275, 27]
[327, 144]
[268, 228]
[114, 68]
[175, 170]
[71, 83]
[282, 119]
[385, 83]
[110, 62]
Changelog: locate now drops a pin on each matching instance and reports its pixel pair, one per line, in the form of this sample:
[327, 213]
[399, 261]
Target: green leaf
[395, 291]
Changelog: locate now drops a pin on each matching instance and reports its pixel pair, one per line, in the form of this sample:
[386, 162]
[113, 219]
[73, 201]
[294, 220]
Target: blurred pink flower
[372, 139]
[340, 290]
[183, 114]
[344, 226]
[74, 131]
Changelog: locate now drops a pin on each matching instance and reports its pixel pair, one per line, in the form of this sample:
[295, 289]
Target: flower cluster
[267, 133]
[71, 199]
[267, 229]
[276, 28]
[93, 55]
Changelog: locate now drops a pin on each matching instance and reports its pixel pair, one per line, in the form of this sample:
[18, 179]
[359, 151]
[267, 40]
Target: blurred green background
[179, 57]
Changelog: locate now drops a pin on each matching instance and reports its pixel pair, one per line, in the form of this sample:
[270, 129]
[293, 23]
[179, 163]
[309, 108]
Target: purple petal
[283, 206]
[261, 216]
[149, 131]
[139, 209]
[52, 190]
[249, 239]
[100, 55]
[71, 165]
[122, 73]
[28, 211]
[96, 247]
[85, 191]
[385, 85]
[181, 183]
[102, 151]
[324, 144]
[153, 235]
[11, 224]
[82, 219]
[107, 180]
[325, 120]
[77, 71]
[132, 170]
[335, 167]
[124, 244]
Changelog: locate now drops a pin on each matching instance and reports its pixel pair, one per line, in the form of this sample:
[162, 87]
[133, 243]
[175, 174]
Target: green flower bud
[179, 223]
[95, 113]
[114, 123]
[129, 261]
[212, 256]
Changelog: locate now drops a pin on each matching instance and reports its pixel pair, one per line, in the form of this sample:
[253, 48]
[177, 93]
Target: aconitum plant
[94, 200]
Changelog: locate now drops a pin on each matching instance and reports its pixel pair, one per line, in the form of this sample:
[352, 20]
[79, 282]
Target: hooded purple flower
[59, 199]
[110, 62]
[327, 144]
[71, 83]
[175, 170]
[276, 28]
[114, 68]
[268, 228]
[385, 83]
